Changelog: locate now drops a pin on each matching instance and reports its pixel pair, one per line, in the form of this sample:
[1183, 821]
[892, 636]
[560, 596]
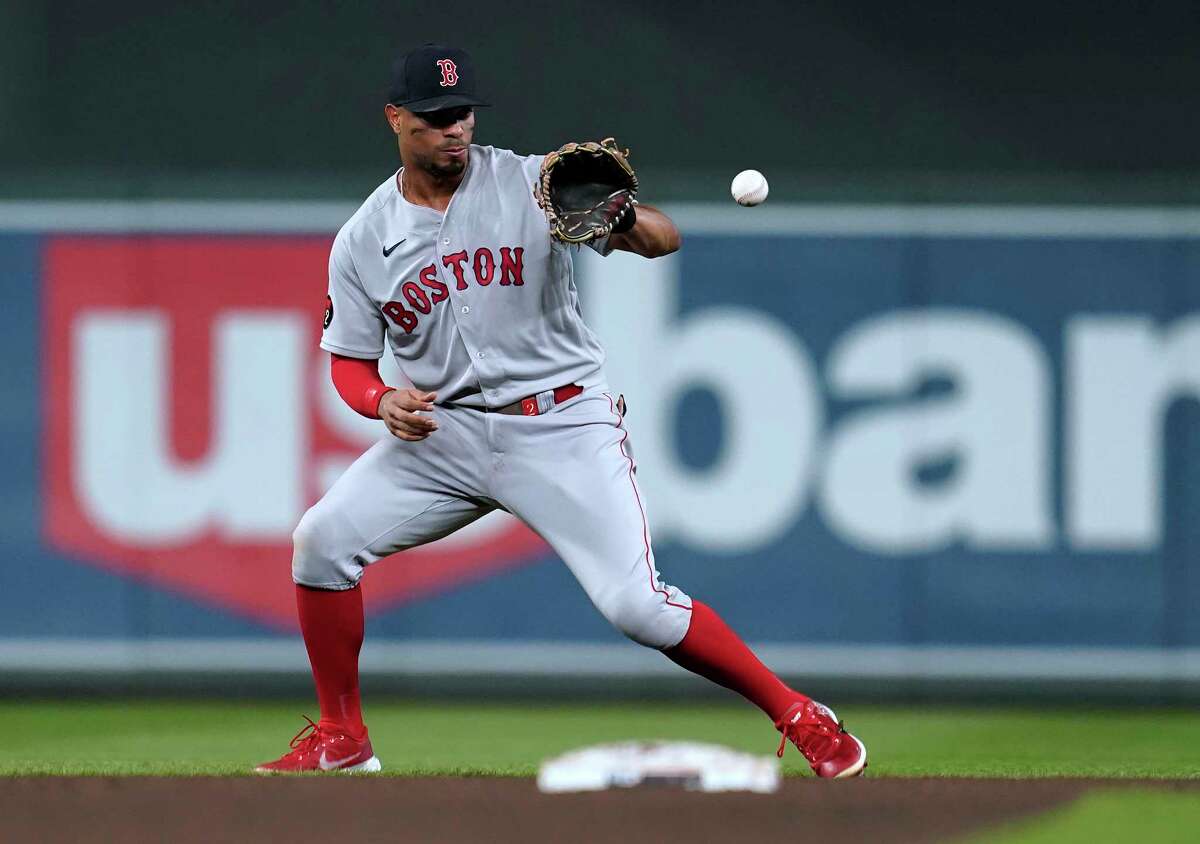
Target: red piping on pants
[641, 509]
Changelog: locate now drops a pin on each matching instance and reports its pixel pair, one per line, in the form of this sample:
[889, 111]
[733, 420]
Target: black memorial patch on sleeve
[328, 311]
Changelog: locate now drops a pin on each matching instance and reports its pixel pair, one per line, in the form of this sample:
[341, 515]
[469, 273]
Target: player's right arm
[354, 334]
[359, 384]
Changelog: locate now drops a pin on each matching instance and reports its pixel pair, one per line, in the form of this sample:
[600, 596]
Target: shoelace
[814, 735]
[308, 736]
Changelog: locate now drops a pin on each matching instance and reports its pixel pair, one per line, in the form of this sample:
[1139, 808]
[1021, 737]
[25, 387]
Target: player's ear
[392, 114]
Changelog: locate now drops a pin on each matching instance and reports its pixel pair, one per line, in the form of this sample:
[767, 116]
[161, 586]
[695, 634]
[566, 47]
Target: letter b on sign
[758, 483]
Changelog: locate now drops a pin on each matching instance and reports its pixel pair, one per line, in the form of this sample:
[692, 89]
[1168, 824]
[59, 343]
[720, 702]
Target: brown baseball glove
[588, 191]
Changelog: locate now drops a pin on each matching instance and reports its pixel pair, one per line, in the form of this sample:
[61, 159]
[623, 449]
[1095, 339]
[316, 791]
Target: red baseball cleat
[831, 751]
[316, 749]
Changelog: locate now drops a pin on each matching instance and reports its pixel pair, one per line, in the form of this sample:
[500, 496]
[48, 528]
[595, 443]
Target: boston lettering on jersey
[429, 290]
[491, 248]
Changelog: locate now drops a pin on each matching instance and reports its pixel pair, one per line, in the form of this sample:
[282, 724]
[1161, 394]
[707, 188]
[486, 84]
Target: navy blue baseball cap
[433, 77]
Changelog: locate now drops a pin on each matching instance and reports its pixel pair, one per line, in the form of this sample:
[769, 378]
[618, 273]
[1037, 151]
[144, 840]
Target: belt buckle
[545, 401]
[538, 403]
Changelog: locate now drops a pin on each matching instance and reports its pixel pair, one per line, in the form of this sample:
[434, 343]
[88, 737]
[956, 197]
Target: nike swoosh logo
[327, 764]
[388, 250]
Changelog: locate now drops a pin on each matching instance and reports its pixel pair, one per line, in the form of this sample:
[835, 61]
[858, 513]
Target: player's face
[436, 141]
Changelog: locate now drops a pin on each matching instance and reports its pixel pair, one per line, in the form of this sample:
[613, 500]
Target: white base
[688, 765]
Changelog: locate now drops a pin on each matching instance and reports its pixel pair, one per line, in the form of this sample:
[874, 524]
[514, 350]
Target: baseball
[749, 187]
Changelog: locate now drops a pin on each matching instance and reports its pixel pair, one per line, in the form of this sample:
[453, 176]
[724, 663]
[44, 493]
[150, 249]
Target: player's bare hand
[401, 411]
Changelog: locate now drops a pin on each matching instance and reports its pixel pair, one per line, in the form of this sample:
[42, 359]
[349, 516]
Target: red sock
[712, 650]
[332, 624]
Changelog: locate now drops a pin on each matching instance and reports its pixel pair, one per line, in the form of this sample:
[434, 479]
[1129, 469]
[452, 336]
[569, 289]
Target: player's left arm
[653, 234]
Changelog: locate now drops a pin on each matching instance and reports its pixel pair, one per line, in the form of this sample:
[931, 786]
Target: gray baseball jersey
[478, 304]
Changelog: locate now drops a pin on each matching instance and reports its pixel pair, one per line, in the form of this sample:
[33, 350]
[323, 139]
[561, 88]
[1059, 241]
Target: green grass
[209, 738]
[1134, 815]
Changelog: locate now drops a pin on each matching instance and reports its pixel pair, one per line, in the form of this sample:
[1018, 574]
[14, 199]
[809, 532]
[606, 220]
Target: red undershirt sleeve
[358, 383]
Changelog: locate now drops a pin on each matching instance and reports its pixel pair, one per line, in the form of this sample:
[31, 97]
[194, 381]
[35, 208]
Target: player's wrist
[629, 218]
[373, 398]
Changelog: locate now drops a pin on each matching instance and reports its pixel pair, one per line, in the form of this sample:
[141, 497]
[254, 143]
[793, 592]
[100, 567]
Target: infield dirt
[448, 809]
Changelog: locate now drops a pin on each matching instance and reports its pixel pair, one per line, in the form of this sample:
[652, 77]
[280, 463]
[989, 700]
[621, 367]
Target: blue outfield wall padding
[47, 595]
[823, 573]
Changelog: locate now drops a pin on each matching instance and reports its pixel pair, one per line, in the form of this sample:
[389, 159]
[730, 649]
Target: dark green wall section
[833, 100]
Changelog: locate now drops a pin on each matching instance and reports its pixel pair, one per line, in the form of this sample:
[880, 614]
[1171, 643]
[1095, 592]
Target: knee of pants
[645, 617]
[318, 560]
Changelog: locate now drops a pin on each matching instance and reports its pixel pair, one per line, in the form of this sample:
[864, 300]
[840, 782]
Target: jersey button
[466, 309]
[483, 354]
[446, 241]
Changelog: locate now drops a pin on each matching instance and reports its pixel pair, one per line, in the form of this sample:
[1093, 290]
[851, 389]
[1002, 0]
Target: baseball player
[451, 260]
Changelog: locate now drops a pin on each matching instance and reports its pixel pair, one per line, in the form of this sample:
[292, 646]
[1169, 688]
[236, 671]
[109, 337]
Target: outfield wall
[888, 443]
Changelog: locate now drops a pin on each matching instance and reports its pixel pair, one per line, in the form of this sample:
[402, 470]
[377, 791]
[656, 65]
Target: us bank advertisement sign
[972, 429]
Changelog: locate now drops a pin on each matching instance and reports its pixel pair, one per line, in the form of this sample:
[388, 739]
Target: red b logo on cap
[449, 73]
